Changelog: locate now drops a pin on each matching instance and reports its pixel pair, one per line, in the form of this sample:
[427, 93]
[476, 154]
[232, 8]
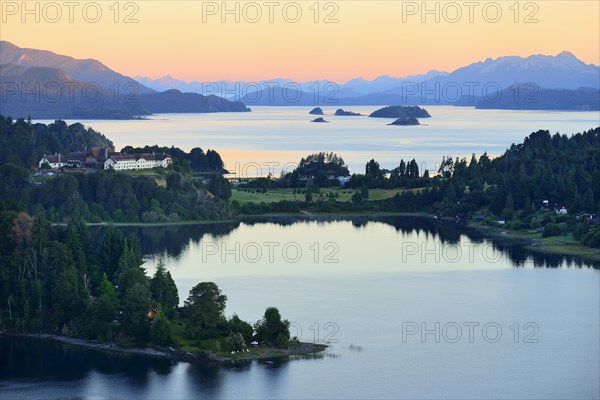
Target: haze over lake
[269, 139]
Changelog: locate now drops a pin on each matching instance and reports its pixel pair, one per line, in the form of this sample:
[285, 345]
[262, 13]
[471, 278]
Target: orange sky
[370, 38]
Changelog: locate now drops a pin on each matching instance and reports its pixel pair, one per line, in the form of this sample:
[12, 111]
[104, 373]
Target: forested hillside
[28, 142]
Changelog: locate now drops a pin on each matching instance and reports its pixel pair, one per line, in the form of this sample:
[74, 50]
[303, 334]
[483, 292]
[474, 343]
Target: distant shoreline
[169, 353]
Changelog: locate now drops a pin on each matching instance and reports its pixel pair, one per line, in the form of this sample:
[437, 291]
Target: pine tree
[135, 314]
[510, 203]
[77, 245]
[163, 289]
[109, 253]
[588, 201]
[107, 289]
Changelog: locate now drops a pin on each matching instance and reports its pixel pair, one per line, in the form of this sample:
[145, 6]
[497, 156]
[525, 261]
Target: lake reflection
[380, 239]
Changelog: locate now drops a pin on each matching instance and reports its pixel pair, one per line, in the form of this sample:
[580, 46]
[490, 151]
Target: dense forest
[320, 167]
[53, 281]
[166, 195]
[24, 143]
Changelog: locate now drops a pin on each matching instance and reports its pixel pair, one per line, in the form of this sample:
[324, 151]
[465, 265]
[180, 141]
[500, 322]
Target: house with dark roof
[55, 161]
[106, 158]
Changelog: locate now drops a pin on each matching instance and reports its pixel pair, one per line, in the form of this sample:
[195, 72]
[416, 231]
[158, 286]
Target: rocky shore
[256, 353]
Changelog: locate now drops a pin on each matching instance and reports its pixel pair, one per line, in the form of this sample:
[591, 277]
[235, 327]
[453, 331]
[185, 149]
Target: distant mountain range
[353, 88]
[524, 97]
[466, 86]
[42, 84]
[79, 70]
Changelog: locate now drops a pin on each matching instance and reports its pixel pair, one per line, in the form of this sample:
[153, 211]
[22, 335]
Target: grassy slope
[275, 195]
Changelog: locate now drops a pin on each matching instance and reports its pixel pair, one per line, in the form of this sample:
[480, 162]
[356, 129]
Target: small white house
[343, 180]
[55, 161]
[562, 211]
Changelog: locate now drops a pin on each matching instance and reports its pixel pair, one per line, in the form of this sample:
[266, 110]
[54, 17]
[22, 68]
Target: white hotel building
[123, 162]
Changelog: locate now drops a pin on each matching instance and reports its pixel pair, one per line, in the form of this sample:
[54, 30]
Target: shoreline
[526, 239]
[538, 244]
[241, 218]
[169, 353]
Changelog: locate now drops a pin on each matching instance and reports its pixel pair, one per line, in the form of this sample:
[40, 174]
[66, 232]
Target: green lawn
[187, 344]
[274, 195]
[155, 172]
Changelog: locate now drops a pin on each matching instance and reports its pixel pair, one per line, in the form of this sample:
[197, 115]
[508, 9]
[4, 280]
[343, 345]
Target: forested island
[406, 121]
[344, 113]
[400, 112]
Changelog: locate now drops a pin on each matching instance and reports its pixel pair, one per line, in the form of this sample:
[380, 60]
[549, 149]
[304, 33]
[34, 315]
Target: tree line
[53, 281]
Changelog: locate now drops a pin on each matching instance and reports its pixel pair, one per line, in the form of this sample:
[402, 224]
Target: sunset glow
[189, 41]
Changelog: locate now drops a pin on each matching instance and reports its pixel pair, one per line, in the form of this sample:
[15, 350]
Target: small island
[343, 113]
[317, 111]
[406, 121]
[400, 112]
[319, 120]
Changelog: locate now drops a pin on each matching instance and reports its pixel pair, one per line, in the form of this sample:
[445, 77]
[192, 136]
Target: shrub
[234, 342]
[551, 230]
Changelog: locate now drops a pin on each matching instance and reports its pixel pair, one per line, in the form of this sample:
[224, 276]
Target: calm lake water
[410, 308]
[272, 139]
